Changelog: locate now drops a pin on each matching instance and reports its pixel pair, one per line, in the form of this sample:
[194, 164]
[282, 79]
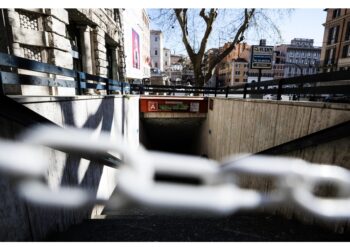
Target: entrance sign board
[174, 105]
[261, 57]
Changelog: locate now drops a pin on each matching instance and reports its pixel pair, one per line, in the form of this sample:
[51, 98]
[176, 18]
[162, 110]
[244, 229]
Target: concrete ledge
[342, 106]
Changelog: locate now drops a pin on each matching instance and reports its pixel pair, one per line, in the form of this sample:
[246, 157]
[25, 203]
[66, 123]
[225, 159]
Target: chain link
[217, 188]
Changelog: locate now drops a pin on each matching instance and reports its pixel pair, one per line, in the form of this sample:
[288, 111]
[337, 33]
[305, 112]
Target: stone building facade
[89, 40]
[336, 41]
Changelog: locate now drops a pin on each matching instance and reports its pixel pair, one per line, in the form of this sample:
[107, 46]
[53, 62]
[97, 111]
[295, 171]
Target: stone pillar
[85, 41]
[115, 63]
[86, 52]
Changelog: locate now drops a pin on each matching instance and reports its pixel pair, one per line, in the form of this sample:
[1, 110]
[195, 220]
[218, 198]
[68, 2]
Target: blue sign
[261, 57]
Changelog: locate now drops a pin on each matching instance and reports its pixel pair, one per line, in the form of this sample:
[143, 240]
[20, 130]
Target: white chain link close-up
[217, 190]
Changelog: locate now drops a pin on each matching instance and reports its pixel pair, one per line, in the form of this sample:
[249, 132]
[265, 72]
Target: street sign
[261, 57]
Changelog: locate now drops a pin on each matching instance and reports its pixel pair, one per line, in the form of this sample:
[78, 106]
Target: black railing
[9, 75]
[333, 83]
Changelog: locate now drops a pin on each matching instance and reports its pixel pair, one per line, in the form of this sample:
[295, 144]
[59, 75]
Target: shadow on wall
[22, 221]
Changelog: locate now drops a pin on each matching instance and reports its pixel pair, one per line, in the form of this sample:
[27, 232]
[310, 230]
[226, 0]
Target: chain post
[279, 90]
[1, 85]
[245, 91]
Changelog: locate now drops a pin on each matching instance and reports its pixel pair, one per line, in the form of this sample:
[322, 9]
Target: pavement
[252, 227]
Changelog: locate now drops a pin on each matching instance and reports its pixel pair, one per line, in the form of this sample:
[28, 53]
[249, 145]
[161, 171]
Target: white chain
[217, 189]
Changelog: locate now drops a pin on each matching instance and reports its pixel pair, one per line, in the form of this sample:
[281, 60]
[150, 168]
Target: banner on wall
[135, 50]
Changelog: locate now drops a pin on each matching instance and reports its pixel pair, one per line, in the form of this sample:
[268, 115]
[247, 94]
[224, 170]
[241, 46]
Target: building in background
[136, 45]
[157, 56]
[239, 73]
[166, 59]
[301, 57]
[226, 69]
[336, 41]
[89, 40]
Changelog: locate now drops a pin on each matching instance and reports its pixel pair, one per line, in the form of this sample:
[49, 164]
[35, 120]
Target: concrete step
[240, 227]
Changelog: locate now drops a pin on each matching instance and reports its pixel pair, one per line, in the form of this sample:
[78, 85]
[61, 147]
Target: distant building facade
[336, 41]
[227, 68]
[240, 69]
[167, 59]
[156, 51]
[301, 58]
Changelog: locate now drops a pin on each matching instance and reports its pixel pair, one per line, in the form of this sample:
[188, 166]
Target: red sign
[174, 105]
[152, 106]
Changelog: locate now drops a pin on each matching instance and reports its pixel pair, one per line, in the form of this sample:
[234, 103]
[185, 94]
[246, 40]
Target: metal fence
[9, 66]
[317, 85]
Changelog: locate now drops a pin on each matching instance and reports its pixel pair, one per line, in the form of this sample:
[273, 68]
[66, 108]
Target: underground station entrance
[177, 126]
[173, 125]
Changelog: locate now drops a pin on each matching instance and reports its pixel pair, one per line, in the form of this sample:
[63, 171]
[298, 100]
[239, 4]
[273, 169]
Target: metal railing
[333, 83]
[9, 66]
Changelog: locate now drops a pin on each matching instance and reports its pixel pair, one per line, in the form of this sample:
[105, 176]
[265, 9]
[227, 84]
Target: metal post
[79, 78]
[216, 89]
[245, 91]
[122, 87]
[279, 90]
[259, 76]
[1, 85]
[107, 86]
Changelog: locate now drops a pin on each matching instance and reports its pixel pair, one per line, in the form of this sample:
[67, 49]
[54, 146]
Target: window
[336, 13]
[330, 56]
[333, 35]
[347, 33]
[156, 64]
[236, 80]
[156, 52]
[166, 53]
[346, 51]
[156, 39]
[166, 63]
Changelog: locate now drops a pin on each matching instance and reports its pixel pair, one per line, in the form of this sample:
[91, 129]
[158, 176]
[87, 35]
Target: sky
[300, 23]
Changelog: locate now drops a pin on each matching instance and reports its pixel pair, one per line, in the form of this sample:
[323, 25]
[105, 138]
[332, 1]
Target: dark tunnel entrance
[175, 135]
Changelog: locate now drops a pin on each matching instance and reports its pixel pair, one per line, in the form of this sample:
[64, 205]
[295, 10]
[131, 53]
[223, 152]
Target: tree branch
[237, 39]
[181, 15]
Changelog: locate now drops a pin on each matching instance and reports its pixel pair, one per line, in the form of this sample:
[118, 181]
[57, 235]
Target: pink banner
[135, 50]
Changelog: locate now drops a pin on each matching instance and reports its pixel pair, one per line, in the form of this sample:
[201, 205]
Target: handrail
[77, 79]
[300, 85]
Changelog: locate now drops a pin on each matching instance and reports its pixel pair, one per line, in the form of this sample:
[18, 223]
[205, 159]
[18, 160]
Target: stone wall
[248, 126]
[21, 221]
[41, 35]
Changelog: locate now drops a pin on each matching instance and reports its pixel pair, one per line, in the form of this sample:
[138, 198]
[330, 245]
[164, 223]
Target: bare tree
[239, 25]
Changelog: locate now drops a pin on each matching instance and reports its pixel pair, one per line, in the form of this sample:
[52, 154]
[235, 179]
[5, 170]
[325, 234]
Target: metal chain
[216, 190]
